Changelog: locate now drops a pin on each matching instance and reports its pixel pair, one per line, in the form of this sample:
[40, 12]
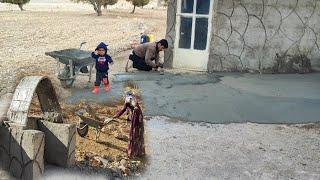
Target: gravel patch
[181, 150]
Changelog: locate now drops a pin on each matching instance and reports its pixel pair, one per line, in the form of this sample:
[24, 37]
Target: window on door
[194, 17]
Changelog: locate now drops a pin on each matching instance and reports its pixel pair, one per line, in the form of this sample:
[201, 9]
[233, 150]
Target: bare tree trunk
[99, 11]
[21, 7]
[134, 8]
[96, 7]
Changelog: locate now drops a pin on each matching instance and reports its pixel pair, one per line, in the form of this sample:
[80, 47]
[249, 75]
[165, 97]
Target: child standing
[102, 66]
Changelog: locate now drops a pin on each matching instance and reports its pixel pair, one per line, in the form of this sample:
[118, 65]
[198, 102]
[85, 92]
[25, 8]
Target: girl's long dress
[136, 146]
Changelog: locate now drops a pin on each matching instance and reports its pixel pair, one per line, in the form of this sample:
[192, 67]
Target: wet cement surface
[223, 98]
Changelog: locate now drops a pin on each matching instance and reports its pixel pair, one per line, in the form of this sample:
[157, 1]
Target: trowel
[161, 71]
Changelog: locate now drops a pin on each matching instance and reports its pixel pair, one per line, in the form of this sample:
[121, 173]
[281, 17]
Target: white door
[193, 34]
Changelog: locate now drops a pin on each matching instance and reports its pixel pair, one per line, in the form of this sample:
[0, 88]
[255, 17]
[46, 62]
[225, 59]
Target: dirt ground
[108, 152]
[26, 36]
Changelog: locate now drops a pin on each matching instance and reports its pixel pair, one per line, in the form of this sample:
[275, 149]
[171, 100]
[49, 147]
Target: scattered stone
[135, 165]
[108, 158]
[124, 163]
[104, 162]
[119, 158]
[116, 172]
[112, 128]
[81, 157]
[96, 162]
[262, 149]
[125, 170]
[303, 164]
[104, 130]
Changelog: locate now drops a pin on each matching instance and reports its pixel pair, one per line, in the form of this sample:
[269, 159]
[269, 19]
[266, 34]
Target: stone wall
[21, 152]
[247, 34]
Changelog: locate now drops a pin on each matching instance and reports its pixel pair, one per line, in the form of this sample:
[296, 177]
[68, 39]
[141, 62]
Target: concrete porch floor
[221, 98]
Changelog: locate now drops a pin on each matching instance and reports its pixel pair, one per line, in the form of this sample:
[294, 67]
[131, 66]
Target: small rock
[90, 154]
[262, 149]
[104, 162]
[135, 165]
[112, 128]
[119, 158]
[104, 130]
[96, 162]
[125, 170]
[124, 163]
[81, 158]
[108, 158]
[138, 163]
[303, 164]
[116, 172]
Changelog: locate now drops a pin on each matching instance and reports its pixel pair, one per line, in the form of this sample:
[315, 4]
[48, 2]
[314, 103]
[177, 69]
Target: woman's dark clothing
[136, 146]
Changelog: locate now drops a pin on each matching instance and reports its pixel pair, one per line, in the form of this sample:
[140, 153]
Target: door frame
[189, 58]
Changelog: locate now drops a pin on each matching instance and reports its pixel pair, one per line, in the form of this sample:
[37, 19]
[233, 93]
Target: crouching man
[142, 56]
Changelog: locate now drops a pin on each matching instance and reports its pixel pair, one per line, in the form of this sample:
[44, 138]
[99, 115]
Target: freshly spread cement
[223, 98]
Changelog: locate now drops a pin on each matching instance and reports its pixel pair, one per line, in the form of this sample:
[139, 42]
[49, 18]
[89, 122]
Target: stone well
[27, 142]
